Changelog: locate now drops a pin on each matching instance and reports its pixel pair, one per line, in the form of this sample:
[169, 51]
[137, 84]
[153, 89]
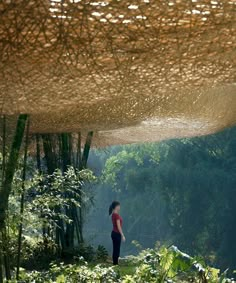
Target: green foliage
[46, 199]
[101, 254]
[127, 157]
[190, 185]
[151, 266]
[182, 191]
[87, 252]
[116, 163]
[58, 190]
[71, 274]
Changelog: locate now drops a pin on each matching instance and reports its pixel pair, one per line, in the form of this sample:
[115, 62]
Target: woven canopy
[129, 70]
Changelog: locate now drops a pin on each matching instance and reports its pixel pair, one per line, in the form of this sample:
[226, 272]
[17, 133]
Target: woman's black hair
[113, 206]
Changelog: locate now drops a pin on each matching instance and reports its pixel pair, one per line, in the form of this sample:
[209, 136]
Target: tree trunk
[87, 147]
[61, 155]
[3, 172]
[10, 170]
[39, 167]
[83, 165]
[38, 154]
[5, 238]
[6, 257]
[1, 271]
[49, 154]
[50, 150]
[66, 156]
[22, 203]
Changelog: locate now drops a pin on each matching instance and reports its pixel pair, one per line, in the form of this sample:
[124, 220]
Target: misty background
[180, 192]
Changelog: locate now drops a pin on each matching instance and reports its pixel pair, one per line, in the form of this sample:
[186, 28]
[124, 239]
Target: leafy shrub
[101, 254]
[39, 254]
[159, 265]
[72, 274]
[171, 265]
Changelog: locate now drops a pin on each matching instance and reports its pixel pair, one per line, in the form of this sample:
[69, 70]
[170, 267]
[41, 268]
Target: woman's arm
[120, 229]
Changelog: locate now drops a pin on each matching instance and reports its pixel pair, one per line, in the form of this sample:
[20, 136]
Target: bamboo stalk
[1, 270]
[38, 154]
[86, 150]
[22, 201]
[78, 154]
[83, 165]
[10, 170]
[5, 237]
[3, 172]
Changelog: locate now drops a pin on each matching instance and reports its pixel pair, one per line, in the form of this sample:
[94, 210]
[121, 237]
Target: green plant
[101, 254]
[84, 251]
[159, 265]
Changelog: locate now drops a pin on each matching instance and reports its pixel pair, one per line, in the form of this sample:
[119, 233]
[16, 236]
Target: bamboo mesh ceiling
[129, 70]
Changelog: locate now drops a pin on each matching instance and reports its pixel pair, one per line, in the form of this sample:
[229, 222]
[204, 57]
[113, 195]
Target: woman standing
[117, 233]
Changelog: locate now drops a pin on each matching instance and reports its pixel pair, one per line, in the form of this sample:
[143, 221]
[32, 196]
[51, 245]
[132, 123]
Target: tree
[8, 174]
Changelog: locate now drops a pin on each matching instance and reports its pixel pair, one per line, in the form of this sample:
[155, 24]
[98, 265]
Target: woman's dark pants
[116, 240]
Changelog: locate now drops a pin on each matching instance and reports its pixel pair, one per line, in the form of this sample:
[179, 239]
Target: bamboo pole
[22, 202]
[3, 172]
[1, 270]
[82, 165]
[10, 170]
[11, 166]
[38, 154]
[86, 150]
[5, 239]
[38, 159]
[78, 154]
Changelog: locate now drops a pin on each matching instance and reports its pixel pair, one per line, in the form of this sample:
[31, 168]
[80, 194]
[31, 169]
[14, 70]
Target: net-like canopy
[130, 70]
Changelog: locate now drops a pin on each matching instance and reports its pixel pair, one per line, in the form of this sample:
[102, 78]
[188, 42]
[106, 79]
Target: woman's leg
[116, 239]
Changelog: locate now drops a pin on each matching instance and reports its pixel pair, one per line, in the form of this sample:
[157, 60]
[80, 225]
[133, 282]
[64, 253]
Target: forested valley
[176, 195]
[177, 191]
